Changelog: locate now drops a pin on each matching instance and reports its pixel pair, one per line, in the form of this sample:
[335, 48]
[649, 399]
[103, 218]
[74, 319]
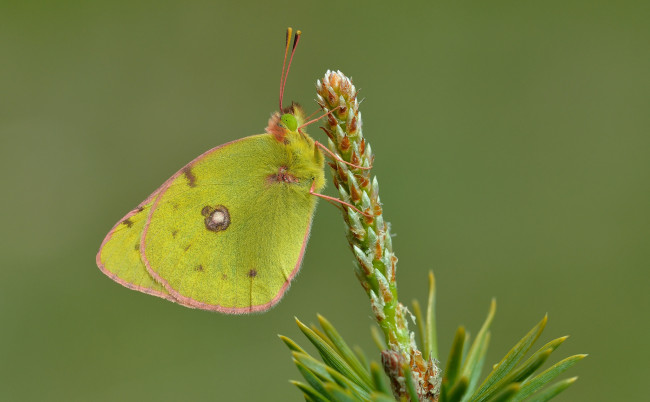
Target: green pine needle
[553, 390]
[332, 357]
[345, 374]
[377, 338]
[310, 393]
[510, 360]
[379, 379]
[317, 383]
[344, 350]
[375, 397]
[410, 384]
[533, 385]
[507, 394]
[458, 390]
[431, 344]
[421, 324]
[455, 358]
[291, 344]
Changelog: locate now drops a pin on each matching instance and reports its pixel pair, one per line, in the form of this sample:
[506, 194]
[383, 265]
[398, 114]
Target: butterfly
[228, 231]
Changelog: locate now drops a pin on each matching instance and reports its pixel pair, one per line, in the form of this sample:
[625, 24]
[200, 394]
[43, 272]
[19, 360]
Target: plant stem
[370, 240]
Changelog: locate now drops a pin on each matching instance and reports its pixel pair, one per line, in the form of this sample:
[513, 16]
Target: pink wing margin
[137, 209]
[189, 302]
[115, 277]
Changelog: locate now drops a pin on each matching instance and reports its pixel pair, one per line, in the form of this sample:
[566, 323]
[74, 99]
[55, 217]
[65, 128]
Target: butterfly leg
[338, 158]
[336, 200]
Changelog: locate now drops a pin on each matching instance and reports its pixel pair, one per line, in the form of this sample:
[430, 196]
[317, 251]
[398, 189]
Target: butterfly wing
[119, 254]
[223, 234]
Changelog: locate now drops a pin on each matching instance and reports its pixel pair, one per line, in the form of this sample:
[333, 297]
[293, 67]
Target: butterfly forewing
[224, 234]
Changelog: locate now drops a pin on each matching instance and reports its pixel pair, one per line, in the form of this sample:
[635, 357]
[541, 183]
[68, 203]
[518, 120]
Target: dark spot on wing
[175, 205]
[188, 247]
[137, 246]
[217, 219]
[252, 273]
[174, 233]
[189, 175]
[199, 268]
[128, 222]
[140, 209]
[224, 276]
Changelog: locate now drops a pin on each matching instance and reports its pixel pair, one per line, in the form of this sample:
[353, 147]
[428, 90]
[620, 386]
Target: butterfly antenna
[312, 115]
[296, 38]
[284, 63]
[318, 118]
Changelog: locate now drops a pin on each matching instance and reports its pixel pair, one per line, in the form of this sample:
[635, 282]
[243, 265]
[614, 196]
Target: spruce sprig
[370, 239]
[344, 374]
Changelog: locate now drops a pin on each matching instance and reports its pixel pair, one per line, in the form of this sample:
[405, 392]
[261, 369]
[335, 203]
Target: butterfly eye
[289, 122]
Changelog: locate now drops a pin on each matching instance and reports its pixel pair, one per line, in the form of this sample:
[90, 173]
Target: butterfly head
[285, 125]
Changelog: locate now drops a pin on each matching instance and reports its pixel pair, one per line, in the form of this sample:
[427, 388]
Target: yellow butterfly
[228, 231]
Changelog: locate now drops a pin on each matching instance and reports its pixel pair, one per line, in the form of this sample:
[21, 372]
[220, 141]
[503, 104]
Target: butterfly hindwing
[119, 255]
[225, 233]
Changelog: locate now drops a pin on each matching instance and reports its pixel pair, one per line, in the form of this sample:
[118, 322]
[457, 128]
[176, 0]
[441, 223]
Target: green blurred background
[512, 146]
